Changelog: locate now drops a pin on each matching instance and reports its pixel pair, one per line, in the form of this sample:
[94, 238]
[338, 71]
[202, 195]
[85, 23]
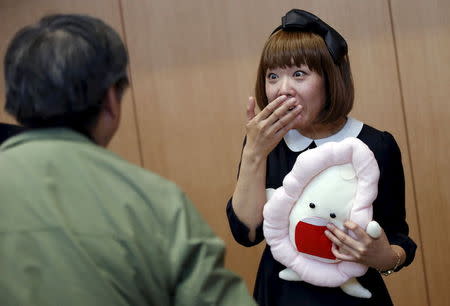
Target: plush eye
[333, 215]
[312, 205]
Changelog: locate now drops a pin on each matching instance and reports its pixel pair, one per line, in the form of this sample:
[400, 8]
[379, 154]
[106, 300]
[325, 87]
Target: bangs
[286, 49]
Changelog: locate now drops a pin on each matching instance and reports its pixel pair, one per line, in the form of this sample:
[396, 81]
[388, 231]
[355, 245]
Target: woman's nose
[286, 87]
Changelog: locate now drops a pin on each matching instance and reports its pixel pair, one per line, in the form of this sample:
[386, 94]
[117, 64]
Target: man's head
[66, 71]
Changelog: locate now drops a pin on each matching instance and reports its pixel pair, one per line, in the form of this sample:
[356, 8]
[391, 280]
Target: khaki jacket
[81, 226]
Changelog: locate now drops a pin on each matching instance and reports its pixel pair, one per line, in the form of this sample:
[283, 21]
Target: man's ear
[111, 107]
[109, 118]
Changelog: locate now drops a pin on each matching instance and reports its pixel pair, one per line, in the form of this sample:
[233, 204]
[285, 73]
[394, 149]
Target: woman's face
[305, 85]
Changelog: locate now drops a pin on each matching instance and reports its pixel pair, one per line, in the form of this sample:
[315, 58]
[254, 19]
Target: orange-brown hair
[285, 49]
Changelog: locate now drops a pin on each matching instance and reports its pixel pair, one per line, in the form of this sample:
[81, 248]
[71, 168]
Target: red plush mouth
[310, 239]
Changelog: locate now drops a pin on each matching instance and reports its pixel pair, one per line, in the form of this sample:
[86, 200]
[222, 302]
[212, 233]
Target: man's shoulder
[136, 173]
[150, 186]
[75, 159]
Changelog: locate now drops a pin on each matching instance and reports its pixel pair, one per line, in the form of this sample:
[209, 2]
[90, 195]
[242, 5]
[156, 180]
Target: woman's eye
[298, 74]
[272, 76]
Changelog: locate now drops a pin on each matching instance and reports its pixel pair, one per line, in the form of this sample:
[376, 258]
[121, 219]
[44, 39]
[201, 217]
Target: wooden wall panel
[191, 83]
[194, 65]
[422, 34]
[17, 13]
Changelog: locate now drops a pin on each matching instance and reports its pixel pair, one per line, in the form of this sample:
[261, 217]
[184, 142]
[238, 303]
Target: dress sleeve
[389, 207]
[197, 259]
[240, 230]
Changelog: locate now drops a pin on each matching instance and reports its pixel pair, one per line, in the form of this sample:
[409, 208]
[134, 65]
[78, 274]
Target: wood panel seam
[133, 98]
[402, 104]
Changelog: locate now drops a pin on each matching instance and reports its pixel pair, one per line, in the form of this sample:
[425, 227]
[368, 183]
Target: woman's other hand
[376, 253]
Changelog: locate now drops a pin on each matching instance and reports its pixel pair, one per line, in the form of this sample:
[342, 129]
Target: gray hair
[58, 70]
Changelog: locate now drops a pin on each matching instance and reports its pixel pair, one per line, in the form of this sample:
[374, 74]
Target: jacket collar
[296, 142]
[63, 134]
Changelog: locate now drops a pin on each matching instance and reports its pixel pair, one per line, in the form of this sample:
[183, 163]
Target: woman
[305, 90]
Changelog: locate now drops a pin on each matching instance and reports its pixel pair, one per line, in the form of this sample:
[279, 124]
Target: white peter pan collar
[297, 142]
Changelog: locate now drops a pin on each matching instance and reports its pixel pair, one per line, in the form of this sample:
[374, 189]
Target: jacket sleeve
[197, 257]
[389, 207]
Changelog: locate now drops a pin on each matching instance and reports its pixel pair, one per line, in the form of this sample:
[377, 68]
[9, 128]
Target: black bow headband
[299, 20]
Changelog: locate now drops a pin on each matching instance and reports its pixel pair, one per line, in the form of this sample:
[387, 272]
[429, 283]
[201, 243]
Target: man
[79, 225]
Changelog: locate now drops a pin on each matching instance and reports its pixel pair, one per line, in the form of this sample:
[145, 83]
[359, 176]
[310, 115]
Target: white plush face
[328, 198]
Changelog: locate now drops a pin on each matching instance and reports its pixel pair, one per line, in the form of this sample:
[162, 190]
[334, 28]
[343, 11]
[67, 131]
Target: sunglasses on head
[302, 21]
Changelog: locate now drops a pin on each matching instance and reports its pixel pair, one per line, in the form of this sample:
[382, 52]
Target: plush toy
[332, 183]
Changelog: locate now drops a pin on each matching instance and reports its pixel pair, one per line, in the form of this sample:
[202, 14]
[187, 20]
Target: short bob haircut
[286, 49]
[58, 70]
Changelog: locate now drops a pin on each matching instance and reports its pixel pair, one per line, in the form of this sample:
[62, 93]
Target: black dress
[388, 211]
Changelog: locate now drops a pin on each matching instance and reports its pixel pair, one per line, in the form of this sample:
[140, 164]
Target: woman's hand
[266, 129]
[375, 253]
